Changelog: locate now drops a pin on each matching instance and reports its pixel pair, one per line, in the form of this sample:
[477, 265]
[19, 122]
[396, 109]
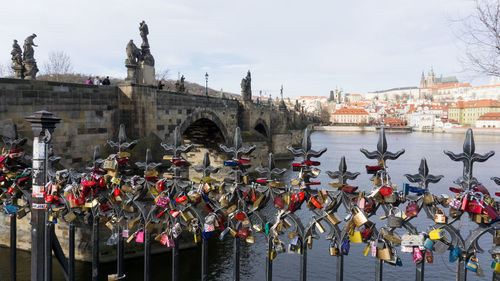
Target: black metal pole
[420, 271]
[204, 259]
[13, 247]
[175, 260]
[269, 262]
[41, 123]
[236, 259]
[119, 253]
[461, 270]
[303, 264]
[340, 267]
[496, 276]
[379, 269]
[71, 252]
[95, 249]
[147, 255]
[48, 249]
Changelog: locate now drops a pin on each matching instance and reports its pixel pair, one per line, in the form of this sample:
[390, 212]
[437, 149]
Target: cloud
[308, 47]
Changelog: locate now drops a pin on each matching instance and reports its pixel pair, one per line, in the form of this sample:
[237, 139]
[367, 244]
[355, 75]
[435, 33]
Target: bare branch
[58, 64]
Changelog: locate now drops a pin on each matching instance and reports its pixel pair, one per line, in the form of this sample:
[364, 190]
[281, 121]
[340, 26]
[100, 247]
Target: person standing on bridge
[89, 81]
[106, 81]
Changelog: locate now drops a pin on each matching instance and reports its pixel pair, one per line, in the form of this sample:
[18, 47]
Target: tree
[162, 74]
[57, 66]
[6, 70]
[481, 35]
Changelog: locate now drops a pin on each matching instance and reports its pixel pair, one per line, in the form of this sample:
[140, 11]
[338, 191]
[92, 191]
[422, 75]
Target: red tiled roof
[449, 86]
[350, 111]
[490, 116]
[476, 104]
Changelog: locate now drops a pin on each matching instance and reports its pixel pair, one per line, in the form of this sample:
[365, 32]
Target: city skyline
[310, 49]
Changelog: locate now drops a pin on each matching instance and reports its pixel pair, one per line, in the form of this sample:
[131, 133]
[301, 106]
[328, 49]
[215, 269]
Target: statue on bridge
[29, 62]
[140, 63]
[144, 31]
[133, 53]
[179, 85]
[17, 60]
[246, 87]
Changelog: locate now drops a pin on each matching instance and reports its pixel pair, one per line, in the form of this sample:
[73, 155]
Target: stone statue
[246, 87]
[29, 52]
[146, 57]
[144, 31]
[17, 54]
[133, 53]
[179, 85]
[29, 61]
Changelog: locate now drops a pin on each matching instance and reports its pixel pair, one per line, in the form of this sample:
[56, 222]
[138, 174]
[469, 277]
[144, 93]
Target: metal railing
[149, 206]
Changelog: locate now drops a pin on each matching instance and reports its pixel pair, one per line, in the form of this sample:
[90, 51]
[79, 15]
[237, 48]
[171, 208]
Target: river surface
[320, 265]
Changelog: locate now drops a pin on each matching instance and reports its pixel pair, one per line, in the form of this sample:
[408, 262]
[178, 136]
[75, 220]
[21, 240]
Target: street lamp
[206, 84]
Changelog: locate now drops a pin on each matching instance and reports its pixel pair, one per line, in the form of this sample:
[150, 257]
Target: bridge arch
[261, 127]
[203, 126]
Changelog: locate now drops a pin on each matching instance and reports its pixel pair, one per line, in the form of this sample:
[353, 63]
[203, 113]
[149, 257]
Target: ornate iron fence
[163, 207]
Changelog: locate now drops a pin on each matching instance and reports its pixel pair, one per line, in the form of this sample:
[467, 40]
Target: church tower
[422, 81]
[431, 78]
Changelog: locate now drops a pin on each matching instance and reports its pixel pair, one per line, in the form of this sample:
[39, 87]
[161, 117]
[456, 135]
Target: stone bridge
[91, 114]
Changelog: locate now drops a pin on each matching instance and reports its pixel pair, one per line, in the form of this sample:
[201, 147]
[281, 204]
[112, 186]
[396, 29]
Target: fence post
[175, 260]
[303, 264]
[204, 259]
[340, 267]
[13, 247]
[119, 253]
[461, 270]
[236, 259]
[379, 269]
[147, 255]
[95, 248]
[420, 271]
[48, 249]
[71, 252]
[43, 124]
[269, 262]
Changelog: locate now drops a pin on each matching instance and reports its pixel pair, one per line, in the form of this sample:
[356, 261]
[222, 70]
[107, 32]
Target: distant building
[432, 80]
[489, 120]
[350, 116]
[467, 112]
[394, 94]
[390, 122]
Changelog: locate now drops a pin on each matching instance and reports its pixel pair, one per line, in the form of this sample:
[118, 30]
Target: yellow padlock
[436, 234]
[366, 251]
[355, 237]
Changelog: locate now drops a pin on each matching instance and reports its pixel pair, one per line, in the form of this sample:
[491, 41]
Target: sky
[309, 47]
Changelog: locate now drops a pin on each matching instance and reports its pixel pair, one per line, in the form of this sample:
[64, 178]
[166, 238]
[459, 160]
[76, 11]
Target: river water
[321, 266]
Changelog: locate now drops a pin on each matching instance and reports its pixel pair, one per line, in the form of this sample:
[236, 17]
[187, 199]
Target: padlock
[454, 213]
[429, 257]
[355, 237]
[319, 227]
[395, 218]
[345, 247]
[428, 199]
[412, 210]
[429, 244]
[436, 234]
[472, 264]
[187, 216]
[359, 217]
[334, 251]
[333, 218]
[366, 250]
[439, 216]
[309, 242]
[384, 253]
[495, 265]
[417, 255]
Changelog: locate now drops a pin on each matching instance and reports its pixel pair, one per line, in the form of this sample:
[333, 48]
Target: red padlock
[181, 199]
[49, 198]
[240, 216]
[279, 203]
[10, 190]
[116, 192]
[102, 182]
[385, 190]
[160, 185]
[315, 202]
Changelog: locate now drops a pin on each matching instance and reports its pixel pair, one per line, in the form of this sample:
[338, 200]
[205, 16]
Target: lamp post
[206, 84]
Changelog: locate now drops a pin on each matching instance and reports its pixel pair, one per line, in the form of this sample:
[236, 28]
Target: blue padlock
[429, 244]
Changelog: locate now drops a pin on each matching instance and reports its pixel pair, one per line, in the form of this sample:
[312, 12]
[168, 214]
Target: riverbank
[461, 130]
